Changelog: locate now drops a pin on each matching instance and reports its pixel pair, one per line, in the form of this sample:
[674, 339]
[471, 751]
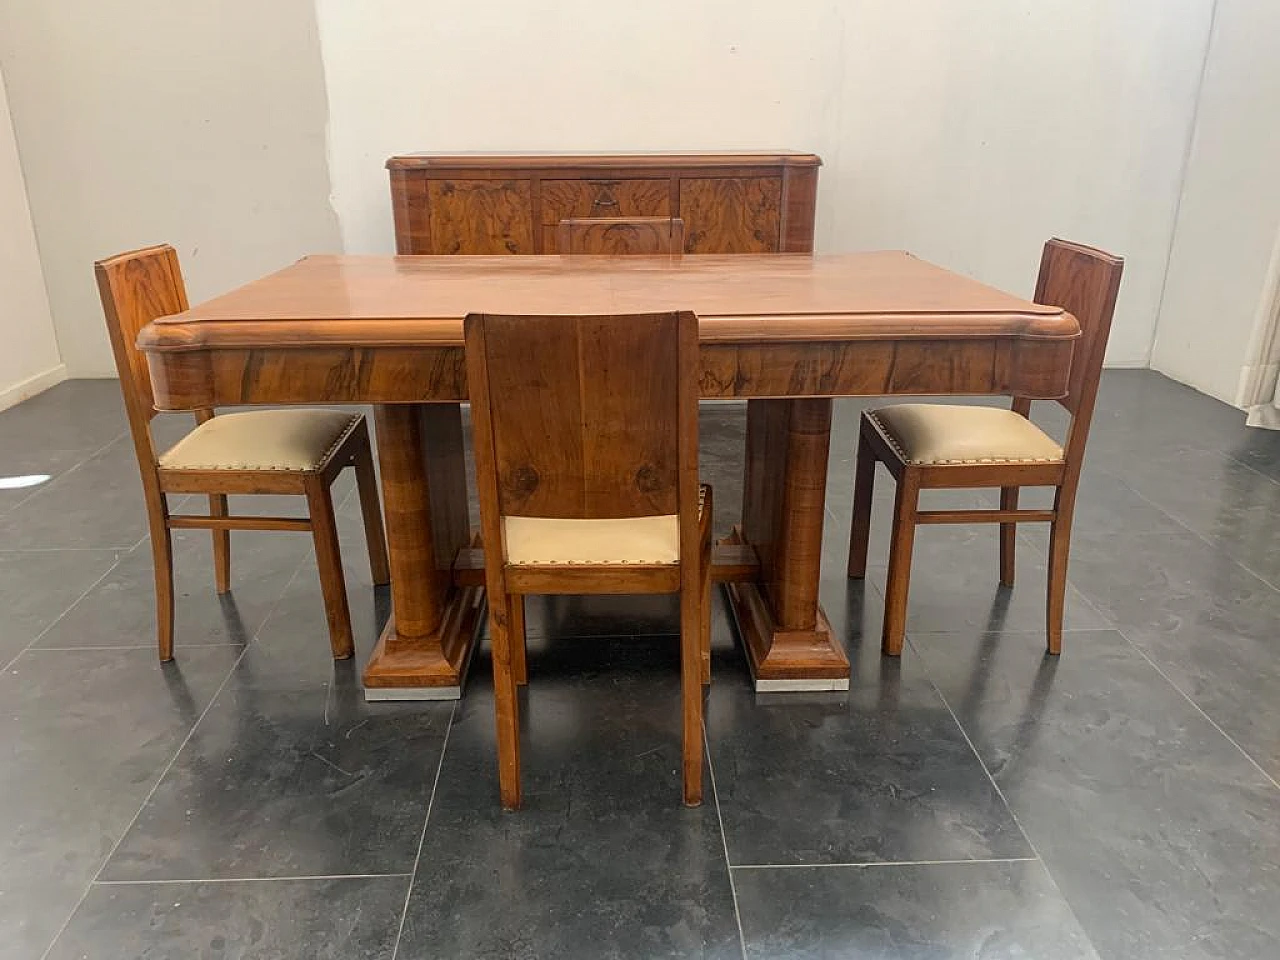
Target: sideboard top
[630, 159]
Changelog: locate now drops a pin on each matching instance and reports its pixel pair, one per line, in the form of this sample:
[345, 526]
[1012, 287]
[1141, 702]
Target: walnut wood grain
[786, 636]
[619, 236]
[599, 199]
[743, 214]
[553, 457]
[429, 637]
[481, 216]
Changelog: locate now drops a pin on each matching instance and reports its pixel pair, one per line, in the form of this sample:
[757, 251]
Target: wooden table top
[372, 300]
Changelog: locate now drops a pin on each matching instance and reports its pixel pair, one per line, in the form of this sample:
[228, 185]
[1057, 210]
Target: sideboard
[513, 203]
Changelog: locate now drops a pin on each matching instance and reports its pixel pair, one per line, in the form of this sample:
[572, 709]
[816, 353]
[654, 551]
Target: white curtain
[1260, 379]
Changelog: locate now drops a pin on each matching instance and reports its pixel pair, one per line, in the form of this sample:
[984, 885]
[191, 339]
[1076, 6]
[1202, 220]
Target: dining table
[785, 332]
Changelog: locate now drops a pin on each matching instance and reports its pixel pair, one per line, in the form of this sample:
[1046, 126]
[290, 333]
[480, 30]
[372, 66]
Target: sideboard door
[731, 214]
[480, 216]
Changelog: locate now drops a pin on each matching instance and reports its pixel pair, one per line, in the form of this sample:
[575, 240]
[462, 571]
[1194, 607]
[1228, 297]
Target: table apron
[229, 376]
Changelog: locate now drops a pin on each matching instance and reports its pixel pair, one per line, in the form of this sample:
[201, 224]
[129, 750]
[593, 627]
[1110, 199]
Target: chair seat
[626, 541]
[286, 440]
[934, 433]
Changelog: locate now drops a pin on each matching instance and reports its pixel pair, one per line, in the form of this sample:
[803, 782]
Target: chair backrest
[1083, 281]
[585, 417]
[617, 237]
[136, 288]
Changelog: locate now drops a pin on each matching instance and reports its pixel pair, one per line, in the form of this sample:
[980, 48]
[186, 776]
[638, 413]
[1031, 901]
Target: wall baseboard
[25, 389]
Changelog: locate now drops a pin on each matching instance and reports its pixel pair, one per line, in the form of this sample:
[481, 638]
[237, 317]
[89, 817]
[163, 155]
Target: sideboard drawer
[602, 198]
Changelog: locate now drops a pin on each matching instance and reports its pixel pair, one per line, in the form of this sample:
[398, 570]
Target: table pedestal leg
[426, 645]
[787, 637]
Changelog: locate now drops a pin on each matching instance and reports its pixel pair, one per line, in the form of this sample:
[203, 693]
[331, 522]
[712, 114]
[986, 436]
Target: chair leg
[162, 561]
[1059, 550]
[519, 642]
[704, 586]
[1008, 535]
[506, 703]
[691, 688]
[863, 485]
[371, 510]
[333, 585]
[221, 545]
[704, 628]
[905, 505]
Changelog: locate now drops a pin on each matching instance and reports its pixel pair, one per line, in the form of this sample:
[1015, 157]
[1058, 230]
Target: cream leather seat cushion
[630, 540]
[262, 440]
[936, 433]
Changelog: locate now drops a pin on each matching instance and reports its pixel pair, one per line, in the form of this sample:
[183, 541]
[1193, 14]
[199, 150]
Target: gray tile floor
[974, 799]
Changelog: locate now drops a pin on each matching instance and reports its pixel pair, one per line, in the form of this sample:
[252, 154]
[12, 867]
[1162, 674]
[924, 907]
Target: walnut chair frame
[1085, 282]
[582, 422]
[140, 286]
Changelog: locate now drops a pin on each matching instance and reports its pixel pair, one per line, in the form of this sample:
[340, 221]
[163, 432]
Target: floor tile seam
[271, 610]
[53, 482]
[1215, 546]
[422, 836]
[74, 603]
[1200, 710]
[673, 633]
[142, 806]
[167, 767]
[1250, 467]
[724, 843]
[169, 881]
[132, 646]
[1105, 619]
[873, 864]
[1000, 793]
[114, 548]
[1186, 696]
[1004, 632]
[101, 548]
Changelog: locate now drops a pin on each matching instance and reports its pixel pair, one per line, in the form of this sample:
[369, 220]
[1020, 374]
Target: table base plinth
[427, 668]
[786, 660]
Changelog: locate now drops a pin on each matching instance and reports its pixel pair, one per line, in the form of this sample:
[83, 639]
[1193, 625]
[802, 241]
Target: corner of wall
[33, 360]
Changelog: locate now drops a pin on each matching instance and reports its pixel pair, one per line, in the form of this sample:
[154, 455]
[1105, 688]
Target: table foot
[427, 668]
[786, 660]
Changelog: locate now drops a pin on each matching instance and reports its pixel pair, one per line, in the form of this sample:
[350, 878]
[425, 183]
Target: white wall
[967, 131]
[148, 121]
[29, 359]
[1229, 217]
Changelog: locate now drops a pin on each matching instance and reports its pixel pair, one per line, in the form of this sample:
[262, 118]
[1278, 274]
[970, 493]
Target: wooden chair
[931, 446]
[586, 446]
[654, 236]
[256, 452]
